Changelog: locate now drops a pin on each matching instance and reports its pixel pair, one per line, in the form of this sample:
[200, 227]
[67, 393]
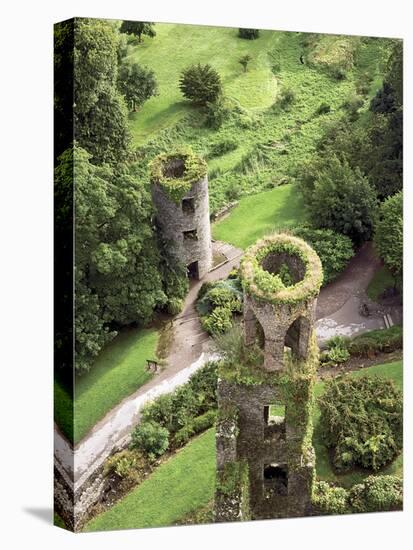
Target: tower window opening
[188, 205]
[191, 235]
[276, 479]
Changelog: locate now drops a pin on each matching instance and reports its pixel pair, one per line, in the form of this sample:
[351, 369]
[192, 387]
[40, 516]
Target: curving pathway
[337, 313]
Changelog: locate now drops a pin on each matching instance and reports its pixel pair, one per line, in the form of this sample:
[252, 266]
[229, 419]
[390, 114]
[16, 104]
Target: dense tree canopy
[100, 113]
[389, 233]
[340, 198]
[117, 262]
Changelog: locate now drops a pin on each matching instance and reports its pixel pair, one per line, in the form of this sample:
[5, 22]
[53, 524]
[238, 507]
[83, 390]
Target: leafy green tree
[244, 60]
[136, 83]
[100, 112]
[340, 198]
[249, 34]
[394, 73]
[138, 28]
[117, 261]
[388, 237]
[200, 84]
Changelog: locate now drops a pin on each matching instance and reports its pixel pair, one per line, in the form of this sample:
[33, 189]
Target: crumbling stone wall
[182, 213]
[277, 448]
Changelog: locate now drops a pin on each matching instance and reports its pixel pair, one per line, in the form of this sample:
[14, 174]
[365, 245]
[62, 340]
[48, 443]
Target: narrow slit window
[188, 206]
[191, 235]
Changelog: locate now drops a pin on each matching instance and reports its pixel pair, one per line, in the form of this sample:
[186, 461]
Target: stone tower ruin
[180, 195]
[265, 458]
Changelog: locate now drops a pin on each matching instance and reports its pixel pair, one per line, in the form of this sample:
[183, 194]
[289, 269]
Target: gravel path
[337, 313]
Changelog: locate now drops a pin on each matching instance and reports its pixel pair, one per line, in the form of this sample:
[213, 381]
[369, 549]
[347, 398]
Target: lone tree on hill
[201, 84]
[249, 34]
[136, 83]
[138, 28]
[245, 59]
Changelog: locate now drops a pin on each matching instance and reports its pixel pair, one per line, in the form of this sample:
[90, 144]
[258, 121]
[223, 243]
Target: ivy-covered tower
[180, 195]
[265, 458]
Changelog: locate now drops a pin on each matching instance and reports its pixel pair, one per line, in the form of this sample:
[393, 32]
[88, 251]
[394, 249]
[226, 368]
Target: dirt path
[188, 353]
[338, 306]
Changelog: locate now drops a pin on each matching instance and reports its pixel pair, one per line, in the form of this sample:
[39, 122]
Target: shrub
[175, 410]
[286, 97]
[195, 426]
[150, 438]
[127, 464]
[323, 109]
[388, 237]
[217, 302]
[249, 34]
[221, 147]
[375, 341]
[352, 104]
[377, 494]
[329, 499]
[362, 420]
[334, 250]
[204, 421]
[175, 305]
[200, 84]
[218, 321]
[183, 435]
[217, 112]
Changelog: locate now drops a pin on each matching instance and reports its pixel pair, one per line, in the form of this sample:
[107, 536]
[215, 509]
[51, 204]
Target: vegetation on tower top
[177, 171]
[281, 269]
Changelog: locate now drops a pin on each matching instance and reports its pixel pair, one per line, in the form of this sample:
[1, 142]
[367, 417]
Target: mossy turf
[118, 371]
[181, 485]
[381, 281]
[258, 215]
[186, 482]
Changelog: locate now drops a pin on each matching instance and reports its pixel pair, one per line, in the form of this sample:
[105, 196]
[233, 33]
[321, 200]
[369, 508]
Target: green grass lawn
[63, 409]
[381, 280]
[119, 370]
[186, 482]
[393, 371]
[181, 485]
[258, 215]
[175, 47]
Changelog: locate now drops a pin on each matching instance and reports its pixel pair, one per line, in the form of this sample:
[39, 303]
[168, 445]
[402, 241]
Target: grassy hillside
[257, 215]
[177, 46]
[270, 141]
[181, 485]
[186, 482]
[119, 370]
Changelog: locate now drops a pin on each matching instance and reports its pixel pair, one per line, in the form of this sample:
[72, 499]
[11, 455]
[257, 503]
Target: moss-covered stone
[177, 171]
[269, 284]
